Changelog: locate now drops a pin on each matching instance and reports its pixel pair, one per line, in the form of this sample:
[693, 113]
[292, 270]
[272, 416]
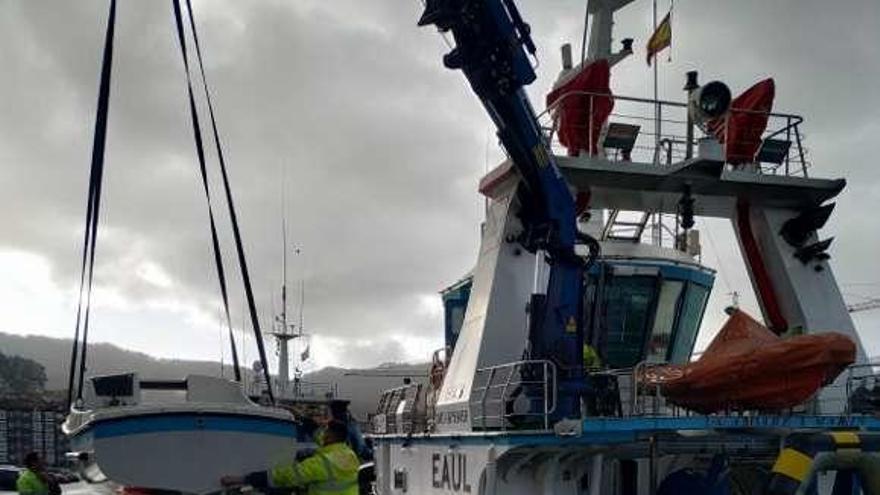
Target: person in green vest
[592, 361]
[35, 480]
[331, 470]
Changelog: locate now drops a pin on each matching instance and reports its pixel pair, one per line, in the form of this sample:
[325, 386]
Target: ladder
[627, 229]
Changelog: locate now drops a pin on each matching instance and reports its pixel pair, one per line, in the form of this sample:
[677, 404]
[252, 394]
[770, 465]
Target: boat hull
[183, 451]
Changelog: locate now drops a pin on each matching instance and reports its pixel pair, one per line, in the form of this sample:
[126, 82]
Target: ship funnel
[710, 101]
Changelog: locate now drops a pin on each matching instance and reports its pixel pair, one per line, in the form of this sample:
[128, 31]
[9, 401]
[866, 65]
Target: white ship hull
[185, 450]
[187, 446]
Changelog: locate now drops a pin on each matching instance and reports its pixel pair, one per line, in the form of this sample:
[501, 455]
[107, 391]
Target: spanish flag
[662, 37]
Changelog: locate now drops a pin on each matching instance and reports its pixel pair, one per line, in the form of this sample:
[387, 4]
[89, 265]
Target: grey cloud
[382, 146]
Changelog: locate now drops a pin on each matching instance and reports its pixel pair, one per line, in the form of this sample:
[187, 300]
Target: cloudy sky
[344, 105]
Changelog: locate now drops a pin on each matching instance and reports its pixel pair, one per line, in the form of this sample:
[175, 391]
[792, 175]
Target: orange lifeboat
[748, 367]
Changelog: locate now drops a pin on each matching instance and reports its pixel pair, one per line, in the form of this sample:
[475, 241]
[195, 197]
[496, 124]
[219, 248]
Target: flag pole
[656, 99]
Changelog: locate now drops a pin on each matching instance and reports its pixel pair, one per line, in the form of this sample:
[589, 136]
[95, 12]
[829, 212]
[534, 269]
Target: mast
[281, 333]
[300, 332]
[286, 330]
[284, 337]
[657, 136]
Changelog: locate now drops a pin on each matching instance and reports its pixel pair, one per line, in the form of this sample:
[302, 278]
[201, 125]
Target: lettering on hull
[449, 473]
[452, 417]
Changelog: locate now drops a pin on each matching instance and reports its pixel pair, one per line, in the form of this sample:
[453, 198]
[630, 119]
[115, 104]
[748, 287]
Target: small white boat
[176, 435]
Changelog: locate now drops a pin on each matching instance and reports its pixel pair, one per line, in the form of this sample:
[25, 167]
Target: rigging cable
[200, 151]
[245, 276]
[584, 39]
[92, 213]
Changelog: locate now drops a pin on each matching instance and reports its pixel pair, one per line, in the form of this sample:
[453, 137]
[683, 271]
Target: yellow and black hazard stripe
[795, 462]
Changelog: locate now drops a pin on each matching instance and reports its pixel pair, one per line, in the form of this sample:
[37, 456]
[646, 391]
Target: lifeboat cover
[748, 367]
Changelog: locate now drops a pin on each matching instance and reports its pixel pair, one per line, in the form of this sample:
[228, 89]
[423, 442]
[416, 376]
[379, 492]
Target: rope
[200, 151]
[249, 293]
[584, 38]
[93, 204]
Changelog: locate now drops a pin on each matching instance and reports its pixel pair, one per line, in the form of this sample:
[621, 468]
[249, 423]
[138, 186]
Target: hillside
[54, 355]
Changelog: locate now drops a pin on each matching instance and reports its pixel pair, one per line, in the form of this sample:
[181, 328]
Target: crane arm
[492, 48]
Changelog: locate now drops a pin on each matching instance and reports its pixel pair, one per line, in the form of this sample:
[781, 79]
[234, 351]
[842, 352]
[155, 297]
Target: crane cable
[249, 294]
[93, 205]
[200, 151]
[94, 200]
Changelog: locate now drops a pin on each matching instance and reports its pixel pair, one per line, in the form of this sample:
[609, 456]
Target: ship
[569, 364]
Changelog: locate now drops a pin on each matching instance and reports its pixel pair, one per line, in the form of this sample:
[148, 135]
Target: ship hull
[182, 450]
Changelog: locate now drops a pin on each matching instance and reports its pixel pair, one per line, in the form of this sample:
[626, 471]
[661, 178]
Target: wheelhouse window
[627, 313]
[689, 322]
[664, 321]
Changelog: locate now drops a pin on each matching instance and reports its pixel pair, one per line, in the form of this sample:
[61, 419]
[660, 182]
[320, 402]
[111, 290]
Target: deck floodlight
[773, 151]
[814, 251]
[708, 102]
[621, 137]
[797, 230]
[686, 208]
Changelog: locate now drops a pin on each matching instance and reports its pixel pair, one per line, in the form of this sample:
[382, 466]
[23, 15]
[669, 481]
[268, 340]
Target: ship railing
[647, 399]
[317, 390]
[656, 131]
[390, 417]
[497, 402]
[863, 388]
[295, 389]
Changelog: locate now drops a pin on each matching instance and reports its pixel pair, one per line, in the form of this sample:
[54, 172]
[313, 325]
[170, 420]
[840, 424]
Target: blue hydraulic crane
[493, 47]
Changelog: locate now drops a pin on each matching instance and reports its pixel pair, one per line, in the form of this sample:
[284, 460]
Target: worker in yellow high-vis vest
[331, 470]
[592, 361]
[35, 479]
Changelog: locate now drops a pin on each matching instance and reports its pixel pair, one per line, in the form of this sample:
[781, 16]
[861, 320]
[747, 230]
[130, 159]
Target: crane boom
[492, 48]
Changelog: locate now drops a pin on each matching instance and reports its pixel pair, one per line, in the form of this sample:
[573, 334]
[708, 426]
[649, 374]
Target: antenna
[302, 300]
[734, 299]
[283, 330]
[283, 249]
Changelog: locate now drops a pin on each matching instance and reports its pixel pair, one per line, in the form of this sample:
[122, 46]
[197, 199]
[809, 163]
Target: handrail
[783, 124]
[651, 101]
[852, 379]
[486, 393]
[548, 390]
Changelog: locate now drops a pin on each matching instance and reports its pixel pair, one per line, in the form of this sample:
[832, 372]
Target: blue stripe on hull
[185, 422]
[600, 431]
